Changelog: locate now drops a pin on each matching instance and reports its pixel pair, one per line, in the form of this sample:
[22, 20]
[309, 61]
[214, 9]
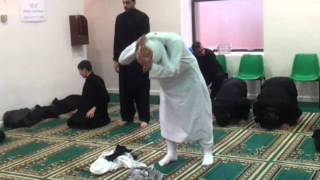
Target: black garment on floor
[278, 96]
[15, 118]
[211, 71]
[2, 136]
[120, 150]
[231, 103]
[28, 117]
[68, 104]
[40, 113]
[134, 85]
[94, 94]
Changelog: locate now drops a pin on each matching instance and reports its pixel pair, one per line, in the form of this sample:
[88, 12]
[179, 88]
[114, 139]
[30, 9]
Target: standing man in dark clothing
[277, 104]
[93, 108]
[134, 85]
[210, 68]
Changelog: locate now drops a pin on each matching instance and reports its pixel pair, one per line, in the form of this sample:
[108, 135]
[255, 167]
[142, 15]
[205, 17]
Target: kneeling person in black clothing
[277, 104]
[92, 111]
[231, 104]
[210, 68]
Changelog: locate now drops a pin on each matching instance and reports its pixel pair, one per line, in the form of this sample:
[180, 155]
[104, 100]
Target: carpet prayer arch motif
[50, 150]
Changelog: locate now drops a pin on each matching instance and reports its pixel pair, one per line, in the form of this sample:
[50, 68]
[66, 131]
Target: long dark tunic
[279, 93]
[134, 85]
[209, 66]
[130, 25]
[211, 71]
[94, 93]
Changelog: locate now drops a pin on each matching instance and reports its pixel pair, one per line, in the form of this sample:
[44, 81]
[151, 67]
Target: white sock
[171, 154]
[207, 154]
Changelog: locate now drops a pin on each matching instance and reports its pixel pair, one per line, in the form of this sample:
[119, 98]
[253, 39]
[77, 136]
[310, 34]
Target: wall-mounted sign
[33, 10]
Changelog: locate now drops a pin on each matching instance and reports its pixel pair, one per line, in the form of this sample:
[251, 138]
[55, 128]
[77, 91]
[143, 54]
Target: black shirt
[232, 98]
[209, 66]
[94, 93]
[231, 91]
[130, 25]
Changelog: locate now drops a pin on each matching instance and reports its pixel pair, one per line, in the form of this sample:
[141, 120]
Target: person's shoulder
[99, 78]
[208, 51]
[96, 77]
[141, 13]
[121, 15]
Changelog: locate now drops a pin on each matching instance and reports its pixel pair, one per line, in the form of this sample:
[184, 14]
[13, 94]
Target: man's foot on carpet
[207, 159]
[122, 123]
[285, 127]
[144, 125]
[168, 158]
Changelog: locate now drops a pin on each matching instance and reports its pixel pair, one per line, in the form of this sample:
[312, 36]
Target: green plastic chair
[222, 61]
[306, 69]
[251, 68]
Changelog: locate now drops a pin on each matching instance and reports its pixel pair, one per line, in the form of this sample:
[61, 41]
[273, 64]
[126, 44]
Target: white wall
[37, 61]
[291, 27]
[164, 16]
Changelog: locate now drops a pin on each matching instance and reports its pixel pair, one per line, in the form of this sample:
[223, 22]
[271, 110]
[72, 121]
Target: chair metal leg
[260, 84]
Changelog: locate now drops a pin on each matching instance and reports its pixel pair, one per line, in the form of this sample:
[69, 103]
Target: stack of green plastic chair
[251, 68]
[306, 69]
[222, 61]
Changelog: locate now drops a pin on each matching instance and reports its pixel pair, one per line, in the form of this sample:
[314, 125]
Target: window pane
[235, 22]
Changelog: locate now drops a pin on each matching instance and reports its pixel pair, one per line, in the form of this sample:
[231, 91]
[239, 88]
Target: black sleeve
[145, 25]
[214, 66]
[102, 96]
[116, 42]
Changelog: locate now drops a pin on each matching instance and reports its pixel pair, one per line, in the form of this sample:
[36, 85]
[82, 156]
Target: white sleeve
[170, 60]
[128, 55]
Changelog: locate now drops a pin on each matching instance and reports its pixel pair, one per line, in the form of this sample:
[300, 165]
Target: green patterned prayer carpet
[50, 150]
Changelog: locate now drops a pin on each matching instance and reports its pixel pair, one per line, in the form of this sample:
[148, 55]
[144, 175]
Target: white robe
[185, 104]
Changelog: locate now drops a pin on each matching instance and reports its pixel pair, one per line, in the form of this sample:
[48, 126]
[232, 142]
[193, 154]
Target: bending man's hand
[144, 58]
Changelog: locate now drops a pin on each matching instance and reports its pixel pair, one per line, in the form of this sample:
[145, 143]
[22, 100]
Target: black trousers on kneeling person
[94, 94]
[80, 121]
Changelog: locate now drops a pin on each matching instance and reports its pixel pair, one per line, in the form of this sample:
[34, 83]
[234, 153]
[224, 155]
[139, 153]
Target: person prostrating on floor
[277, 104]
[231, 104]
[93, 108]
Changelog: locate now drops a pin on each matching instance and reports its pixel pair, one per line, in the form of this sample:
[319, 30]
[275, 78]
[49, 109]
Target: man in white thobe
[185, 106]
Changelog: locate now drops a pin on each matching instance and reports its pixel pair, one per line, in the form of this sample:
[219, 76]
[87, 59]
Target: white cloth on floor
[102, 165]
[185, 104]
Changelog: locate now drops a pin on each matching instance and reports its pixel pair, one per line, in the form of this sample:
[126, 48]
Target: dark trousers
[80, 121]
[134, 87]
